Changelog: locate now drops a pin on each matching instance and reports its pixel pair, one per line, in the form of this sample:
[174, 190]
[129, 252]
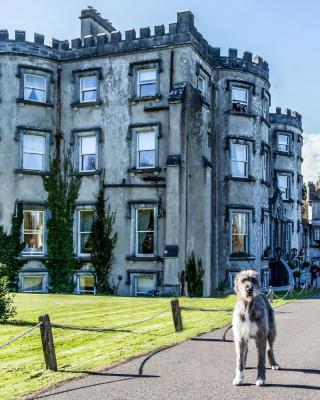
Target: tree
[103, 241]
[194, 276]
[63, 188]
[7, 309]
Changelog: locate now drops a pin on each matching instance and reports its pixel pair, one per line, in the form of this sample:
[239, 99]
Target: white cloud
[311, 156]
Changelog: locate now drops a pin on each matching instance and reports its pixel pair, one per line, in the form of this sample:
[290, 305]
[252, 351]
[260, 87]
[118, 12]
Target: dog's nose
[249, 290]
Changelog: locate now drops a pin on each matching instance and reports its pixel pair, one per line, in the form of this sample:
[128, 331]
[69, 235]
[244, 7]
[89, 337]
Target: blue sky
[284, 32]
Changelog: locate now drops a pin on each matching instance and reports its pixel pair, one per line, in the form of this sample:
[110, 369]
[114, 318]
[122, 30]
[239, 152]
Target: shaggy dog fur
[253, 317]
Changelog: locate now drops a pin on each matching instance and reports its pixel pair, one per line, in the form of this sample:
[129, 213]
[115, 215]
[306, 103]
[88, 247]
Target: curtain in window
[239, 232]
[145, 231]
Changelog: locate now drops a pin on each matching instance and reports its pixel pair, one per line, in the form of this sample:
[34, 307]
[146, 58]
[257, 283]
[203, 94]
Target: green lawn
[22, 368]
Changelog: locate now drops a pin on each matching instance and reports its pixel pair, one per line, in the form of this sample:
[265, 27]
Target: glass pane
[239, 152]
[86, 219]
[239, 223]
[34, 144]
[146, 219]
[147, 75]
[33, 220]
[86, 283]
[146, 141]
[145, 242]
[85, 243]
[88, 82]
[148, 89]
[33, 161]
[32, 283]
[88, 145]
[239, 243]
[34, 95]
[147, 159]
[33, 243]
[36, 81]
[145, 283]
[282, 181]
[239, 169]
[201, 84]
[239, 95]
[89, 95]
[89, 162]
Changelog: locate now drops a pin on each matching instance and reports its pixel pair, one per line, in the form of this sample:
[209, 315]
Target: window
[146, 149]
[33, 232]
[145, 222]
[85, 284]
[288, 237]
[84, 230]
[265, 108]
[265, 167]
[266, 231]
[239, 99]
[88, 89]
[144, 284]
[283, 143]
[32, 283]
[265, 279]
[239, 232]
[239, 155]
[317, 234]
[35, 88]
[284, 186]
[88, 153]
[203, 85]
[34, 152]
[147, 82]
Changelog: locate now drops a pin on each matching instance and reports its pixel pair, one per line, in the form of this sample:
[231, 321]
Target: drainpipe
[59, 134]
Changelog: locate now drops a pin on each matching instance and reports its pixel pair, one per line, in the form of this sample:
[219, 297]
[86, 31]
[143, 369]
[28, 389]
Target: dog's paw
[237, 381]
[260, 382]
[275, 367]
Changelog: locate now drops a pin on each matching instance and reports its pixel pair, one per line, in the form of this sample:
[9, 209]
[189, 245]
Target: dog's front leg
[241, 351]
[261, 343]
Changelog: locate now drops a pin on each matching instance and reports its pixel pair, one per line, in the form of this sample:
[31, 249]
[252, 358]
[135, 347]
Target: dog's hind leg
[272, 361]
[241, 350]
[261, 343]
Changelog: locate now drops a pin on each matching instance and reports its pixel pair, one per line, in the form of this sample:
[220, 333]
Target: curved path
[203, 368]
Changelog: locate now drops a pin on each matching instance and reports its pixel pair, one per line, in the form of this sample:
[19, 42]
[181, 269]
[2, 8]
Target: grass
[22, 368]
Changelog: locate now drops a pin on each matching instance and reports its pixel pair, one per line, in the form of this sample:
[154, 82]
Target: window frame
[288, 189]
[33, 275]
[134, 69]
[84, 275]
[137, 275]
[44, 154]
[81, 78]
[137, 254]
[31, 253]
[244, 105]
[79, 233]
[206, 82]
[245, 162]
[139, 84]
[288, 145]
[39, 75]
[265, 160]
[80, 154]
[248, 221]
[266, 239]
[77, 75]
[138, 133]
[316, 233]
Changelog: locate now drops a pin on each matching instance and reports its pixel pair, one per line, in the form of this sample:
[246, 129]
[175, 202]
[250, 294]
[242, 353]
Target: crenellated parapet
[104, 40]
[286, 116]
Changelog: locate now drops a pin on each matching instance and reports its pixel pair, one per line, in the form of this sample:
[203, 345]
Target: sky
[285, 33]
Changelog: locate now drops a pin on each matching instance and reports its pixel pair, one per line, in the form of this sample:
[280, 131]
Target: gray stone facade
[209, 182]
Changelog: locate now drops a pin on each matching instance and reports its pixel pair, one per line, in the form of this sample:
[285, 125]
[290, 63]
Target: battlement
[104, 40]
[286, 116]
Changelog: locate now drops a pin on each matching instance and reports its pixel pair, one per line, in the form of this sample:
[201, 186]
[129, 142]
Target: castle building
[192, 158]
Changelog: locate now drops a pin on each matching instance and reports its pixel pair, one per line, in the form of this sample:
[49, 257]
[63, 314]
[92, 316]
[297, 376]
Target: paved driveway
[203, 367]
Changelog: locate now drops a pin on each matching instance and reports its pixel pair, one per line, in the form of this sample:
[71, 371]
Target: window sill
[284, 153]
[87, 173]
[31, 172]
[134, 100]
[78, 105]
[143, 258]
[136, 171]
[241, 114]
[23, 102]
[249, 179]
[266, 183]
[32, 257]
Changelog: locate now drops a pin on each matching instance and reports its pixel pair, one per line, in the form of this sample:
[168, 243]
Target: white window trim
[136, 240]
[27, 87]
[141, 84]
[286, 194]
[27, 152]
[286, 145]
[248, 214]
[241, 89]
[33, 275]
[80, 137]
[33, 253]
[78, 284]
[138, 132]
[246, 162]
[93, 88]
[79, 233]
[134, 276]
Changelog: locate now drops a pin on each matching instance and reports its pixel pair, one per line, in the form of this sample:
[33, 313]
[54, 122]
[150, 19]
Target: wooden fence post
[176, 315]
[47, 343]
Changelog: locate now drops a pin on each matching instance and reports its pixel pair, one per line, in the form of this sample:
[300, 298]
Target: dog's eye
[253, 280]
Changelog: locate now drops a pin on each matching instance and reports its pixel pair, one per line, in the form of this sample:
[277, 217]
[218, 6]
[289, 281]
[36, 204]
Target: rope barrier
[112, 328]
[20, 336]
[205, 309]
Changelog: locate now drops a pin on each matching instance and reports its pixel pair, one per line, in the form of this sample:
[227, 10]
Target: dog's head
[247, 284]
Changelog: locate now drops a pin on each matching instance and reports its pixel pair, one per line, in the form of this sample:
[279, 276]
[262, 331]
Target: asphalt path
[203, 367]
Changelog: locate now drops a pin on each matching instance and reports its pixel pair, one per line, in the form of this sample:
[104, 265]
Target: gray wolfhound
[253, 317]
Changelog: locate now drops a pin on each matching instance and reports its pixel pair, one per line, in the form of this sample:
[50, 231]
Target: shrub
[7, 310]
[194, 276]
[296, 274]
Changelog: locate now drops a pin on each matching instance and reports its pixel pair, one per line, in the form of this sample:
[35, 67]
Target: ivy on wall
[103, 242]
[10, 249]
[62, 187]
